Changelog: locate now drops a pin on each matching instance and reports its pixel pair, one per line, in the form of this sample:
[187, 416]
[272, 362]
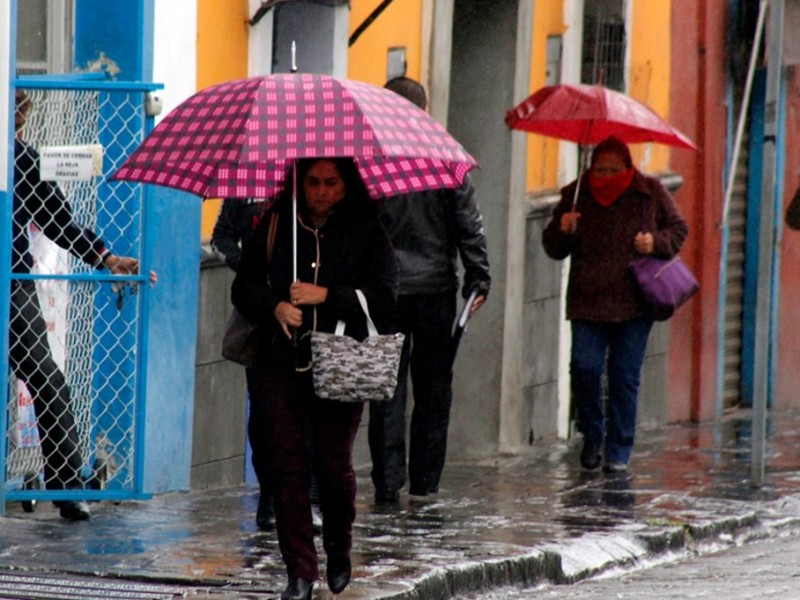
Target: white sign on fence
[70, 163]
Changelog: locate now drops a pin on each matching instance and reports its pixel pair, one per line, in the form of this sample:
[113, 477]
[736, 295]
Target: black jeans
[258, 435]
[426, 321]
[293, 407]
[257, 427]
[32, 362]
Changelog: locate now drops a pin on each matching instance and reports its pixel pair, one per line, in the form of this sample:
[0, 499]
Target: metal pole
[766, 242]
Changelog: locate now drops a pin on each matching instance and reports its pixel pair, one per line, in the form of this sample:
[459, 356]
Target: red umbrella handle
[583, 167]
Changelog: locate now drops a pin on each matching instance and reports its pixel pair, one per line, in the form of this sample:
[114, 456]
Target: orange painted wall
[698, 89]
[222, 34]
[399, 25]
[788, 319]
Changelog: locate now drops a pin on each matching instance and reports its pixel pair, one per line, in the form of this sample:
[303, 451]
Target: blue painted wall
[118, 33]
[121, 35]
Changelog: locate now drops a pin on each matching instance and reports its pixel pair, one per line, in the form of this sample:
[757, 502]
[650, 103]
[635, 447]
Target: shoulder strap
[362, 300]
[273, 227]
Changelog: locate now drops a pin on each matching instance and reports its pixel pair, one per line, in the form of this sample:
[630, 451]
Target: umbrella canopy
[588, 114]
[236, 139]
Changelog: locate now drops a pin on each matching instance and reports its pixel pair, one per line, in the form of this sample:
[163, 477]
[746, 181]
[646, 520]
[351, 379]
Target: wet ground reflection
[504, 508]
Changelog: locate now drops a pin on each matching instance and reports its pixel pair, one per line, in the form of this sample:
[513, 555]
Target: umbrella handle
[581, 170]
[294, 236]
[294, 221]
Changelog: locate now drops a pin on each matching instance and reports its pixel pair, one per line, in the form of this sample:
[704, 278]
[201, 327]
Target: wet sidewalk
[514, 521]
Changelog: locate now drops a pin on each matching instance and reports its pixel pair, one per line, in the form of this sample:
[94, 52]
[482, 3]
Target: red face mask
[606, 190]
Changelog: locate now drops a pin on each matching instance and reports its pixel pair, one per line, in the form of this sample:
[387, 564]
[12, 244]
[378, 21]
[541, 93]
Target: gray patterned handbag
[351, 371]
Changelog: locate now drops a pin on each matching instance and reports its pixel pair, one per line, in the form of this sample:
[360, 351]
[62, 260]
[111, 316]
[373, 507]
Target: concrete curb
[590, 555]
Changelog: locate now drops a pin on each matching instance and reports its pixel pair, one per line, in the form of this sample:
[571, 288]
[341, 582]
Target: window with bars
[44, 31]
[604, 44]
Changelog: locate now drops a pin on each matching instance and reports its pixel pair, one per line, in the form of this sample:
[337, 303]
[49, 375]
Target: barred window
[44, 31]
[604, 44]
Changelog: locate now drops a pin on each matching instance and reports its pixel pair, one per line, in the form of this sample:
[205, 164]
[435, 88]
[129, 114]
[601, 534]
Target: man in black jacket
[429, 231]
[235, 225]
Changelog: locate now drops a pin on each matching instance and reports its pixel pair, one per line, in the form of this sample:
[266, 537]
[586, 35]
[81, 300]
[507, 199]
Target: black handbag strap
[273, 228]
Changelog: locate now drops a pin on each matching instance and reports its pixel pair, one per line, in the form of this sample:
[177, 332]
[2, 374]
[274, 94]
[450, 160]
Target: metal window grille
[604, 45]
[44, 36]
[86, 321]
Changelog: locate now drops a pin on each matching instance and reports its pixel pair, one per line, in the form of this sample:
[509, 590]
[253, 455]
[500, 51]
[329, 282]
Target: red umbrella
[237, 139]
[588, 114]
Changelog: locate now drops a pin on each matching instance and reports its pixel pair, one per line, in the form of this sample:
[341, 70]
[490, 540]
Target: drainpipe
[700, 111]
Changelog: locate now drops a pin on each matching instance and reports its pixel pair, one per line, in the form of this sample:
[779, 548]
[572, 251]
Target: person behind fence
[602, 233]
[43, 204]
[429, 230]
[235, 225]
[341, 247]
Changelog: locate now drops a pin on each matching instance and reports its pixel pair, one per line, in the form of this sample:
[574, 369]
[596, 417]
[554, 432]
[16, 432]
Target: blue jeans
[619, 347]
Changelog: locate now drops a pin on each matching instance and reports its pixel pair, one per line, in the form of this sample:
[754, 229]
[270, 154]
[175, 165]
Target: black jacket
[238, 219]
[43, 204]
[429, 230]
[350, 251]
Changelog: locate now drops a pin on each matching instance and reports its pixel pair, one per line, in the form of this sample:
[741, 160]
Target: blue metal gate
[82, 128]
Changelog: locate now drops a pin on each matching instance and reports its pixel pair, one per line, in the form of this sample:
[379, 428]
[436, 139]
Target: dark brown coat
[601, 287]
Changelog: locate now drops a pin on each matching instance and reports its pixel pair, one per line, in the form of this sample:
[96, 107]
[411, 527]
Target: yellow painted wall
[222, 34]
[649, 39]
[548, 20]
[650, 74]
[399, 25]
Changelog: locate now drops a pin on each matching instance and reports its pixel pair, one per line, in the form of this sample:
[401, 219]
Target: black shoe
[387, 497]
[424, 489]
[73, 510]
[590, 455]
[338, 573]
[615, 467]
[265, 514]
[298, 589]
[316, 518]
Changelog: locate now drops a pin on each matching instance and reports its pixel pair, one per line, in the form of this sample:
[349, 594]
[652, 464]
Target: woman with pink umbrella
[340, 248]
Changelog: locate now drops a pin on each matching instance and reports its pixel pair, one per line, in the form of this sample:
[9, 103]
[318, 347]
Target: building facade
[477, 59]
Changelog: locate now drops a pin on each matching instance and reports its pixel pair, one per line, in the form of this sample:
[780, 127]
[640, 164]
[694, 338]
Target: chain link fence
[74, 396]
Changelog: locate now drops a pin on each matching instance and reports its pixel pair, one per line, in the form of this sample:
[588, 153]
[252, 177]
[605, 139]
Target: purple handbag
[665, 283]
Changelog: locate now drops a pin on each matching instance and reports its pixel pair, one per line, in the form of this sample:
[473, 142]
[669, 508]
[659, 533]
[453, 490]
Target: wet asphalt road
[513, 522]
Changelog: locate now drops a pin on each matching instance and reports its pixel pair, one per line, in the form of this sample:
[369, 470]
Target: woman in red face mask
[618, 214]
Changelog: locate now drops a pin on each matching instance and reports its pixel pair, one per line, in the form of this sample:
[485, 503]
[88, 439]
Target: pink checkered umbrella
[236, 139]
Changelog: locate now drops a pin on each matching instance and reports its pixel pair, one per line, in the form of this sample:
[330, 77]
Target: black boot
[590, 455]
[73, 510]
[298, 589]
[265, 514]
[338, 573]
